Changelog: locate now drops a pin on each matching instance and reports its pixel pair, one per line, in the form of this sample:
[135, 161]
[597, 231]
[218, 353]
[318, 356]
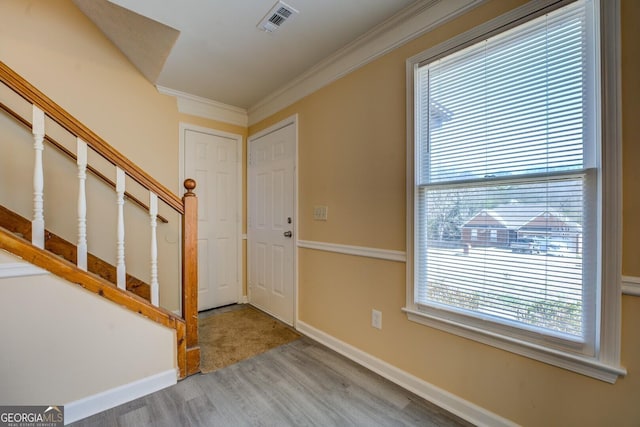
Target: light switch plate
[320, 212]
[376, 319]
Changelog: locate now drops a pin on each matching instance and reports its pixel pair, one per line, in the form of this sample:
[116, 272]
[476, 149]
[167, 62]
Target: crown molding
[412, 22]
[207, 108]
[409, 24]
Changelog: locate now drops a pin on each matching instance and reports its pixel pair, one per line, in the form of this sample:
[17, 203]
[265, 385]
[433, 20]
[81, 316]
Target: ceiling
[213, 48]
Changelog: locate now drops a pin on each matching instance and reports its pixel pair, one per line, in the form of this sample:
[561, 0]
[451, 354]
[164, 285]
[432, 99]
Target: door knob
[287, 234]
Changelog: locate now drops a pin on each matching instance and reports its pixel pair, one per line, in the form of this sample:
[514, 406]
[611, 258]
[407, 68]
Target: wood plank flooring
[298, 384]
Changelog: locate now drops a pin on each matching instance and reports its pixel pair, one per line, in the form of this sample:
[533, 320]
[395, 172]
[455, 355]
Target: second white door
[211, 160]
[272, 222]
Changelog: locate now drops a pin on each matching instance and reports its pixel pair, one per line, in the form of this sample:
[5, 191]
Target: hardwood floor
[298, 384]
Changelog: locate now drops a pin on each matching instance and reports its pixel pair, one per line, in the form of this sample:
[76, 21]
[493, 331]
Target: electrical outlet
[376, 319]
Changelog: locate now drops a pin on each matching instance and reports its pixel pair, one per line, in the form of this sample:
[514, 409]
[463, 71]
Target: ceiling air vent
[277, 16]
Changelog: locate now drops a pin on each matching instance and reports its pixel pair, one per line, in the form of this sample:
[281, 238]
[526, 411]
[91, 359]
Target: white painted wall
[61, 343]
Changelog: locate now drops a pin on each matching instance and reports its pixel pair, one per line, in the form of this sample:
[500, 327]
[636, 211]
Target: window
[507, 140]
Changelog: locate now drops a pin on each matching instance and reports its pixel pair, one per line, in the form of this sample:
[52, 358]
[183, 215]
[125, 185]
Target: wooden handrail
[76, 128]
[71, 155]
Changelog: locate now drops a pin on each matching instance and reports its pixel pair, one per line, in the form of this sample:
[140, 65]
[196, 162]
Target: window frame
[605, 362]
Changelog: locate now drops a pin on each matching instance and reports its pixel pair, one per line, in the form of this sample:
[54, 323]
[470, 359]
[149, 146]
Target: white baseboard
[448, 401]
[92, 405]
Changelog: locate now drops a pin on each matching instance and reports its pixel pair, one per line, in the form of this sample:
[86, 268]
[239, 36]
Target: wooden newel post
[190, 275]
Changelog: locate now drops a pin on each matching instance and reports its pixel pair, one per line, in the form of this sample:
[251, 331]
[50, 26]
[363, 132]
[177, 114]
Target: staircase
[31, 241]
[21, 226]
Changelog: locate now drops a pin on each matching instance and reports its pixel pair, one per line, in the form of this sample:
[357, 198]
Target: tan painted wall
[51, 43]
[352, 158]
[41, 361]
[54, 46]
[631, 136]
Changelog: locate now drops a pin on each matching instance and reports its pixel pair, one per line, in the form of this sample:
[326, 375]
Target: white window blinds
[505, 179]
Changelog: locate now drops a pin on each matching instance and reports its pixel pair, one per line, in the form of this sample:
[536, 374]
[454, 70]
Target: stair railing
[188, 349]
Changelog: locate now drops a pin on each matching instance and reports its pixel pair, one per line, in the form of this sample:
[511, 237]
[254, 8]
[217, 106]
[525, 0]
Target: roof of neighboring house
[514, 216]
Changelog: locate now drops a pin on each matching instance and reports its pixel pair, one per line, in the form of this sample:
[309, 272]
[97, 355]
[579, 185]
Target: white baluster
[153, 216]
[121, 271]
[37, 224]
[82, 204]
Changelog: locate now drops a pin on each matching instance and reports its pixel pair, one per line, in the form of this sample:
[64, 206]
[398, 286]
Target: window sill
[591, 367]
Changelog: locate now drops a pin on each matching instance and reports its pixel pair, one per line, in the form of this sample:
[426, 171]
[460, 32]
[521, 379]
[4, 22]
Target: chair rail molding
[385, 254]
[631, 285]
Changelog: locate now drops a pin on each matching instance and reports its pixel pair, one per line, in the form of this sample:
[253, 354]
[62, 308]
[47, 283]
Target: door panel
[211, 159]
[271, 216]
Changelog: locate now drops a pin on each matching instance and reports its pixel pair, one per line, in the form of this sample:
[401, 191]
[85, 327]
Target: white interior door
[212, 161]
[271, 222]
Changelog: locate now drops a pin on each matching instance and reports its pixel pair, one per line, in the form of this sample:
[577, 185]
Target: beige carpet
[230, 337]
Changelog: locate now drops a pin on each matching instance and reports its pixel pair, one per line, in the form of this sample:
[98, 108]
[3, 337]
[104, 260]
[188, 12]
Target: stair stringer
[65, 270]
